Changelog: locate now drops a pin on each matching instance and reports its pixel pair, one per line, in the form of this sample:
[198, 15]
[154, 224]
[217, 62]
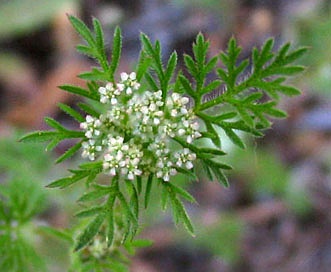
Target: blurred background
[275, 216]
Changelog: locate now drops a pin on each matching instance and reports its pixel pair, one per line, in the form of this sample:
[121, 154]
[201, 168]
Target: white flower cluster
[133, 136]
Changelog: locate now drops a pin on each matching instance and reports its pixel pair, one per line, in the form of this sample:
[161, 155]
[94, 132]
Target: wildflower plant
[141, 128]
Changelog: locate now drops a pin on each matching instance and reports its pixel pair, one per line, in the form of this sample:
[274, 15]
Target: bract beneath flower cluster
[133, 136]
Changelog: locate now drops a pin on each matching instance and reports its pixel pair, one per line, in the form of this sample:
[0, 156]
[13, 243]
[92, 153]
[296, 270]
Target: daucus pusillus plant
[141, 128]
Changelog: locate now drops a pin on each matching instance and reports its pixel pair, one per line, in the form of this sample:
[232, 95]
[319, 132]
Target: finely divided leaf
[90, 231]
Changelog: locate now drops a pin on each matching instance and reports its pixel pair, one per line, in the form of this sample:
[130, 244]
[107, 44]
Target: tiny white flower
[113, 101]
[183, 110]
[89, 119]
[156, 121]
[181, 132]
[120, 87]
[189, 165]
[173, 112]
[124, 76]
[102, 90]
[130, 176]
[184, 100]
[83, 125]
[173, 171]
[103, 99]
[108, 157]
[112, 172]
[166, 177]
[133, 75]
[179, 163]
[88, 134]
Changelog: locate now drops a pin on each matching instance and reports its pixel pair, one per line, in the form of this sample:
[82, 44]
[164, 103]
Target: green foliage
[36, 13]
[236, 100]
[17, 231]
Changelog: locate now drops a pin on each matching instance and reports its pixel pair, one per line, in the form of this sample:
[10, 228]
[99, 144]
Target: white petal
[184, 100]
[102, 90]
[173, 171]
[138, 172]
[108, 157]
[189, 165]
[130, 176]
[124, 76]
[156, 121]
[175, 96]
[133, 75]
[120, 87]
[89, 119]
[109, 86]
[88, 134]
[104, 99]
[112, 172]
[166, 177]
[181, 132]
[83, 125]
[113, 101]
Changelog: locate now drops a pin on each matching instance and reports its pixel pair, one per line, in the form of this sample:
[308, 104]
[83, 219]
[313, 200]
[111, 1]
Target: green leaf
[289, 90]
[79, 91]
[86, 50]
[71, 112]
[151, 81]
[213, 151]
[220, 177]
[296, 54]
[211, 87]
[171, 66]
[186, 172]
[60, 234]
[141, 243]
[180, 213]
[54, 124]
[143, 65]
[52, 144]
[94, 75]
[276, 113]
[234, 138]
[65, 182]
[82, 30]
[245, 116]
[99, 37]
[134, 201]
[39, 136]
[210, 65]
[110, 218]
[69, 153]
[147, 44]
[190, 65]
[148, 189]
[94, 165]
[90, 231]
[90, 212]
[89, 110]
[187, 86]
[126, 207]
[164, 196]
[218, 164]
[94, 195]
[185, 194]
[116, 53]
